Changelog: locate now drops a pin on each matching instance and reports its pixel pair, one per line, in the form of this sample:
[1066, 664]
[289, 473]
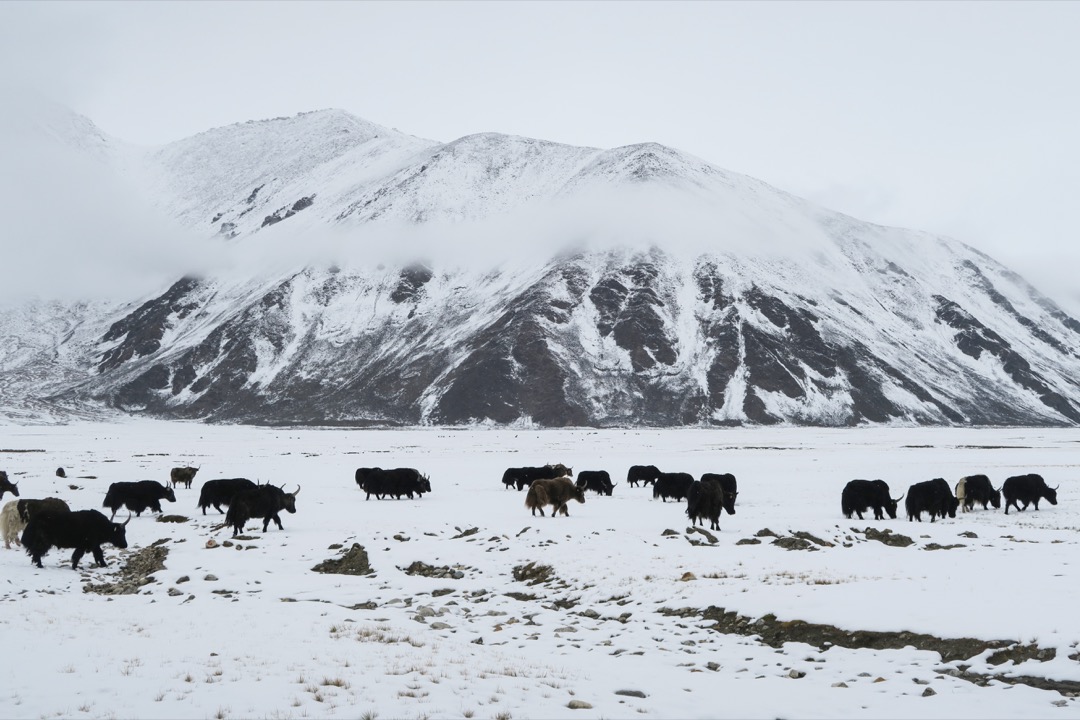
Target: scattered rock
[173, 592]
[669, 532]
[702, 531]
[425, 570]
[748, 541]
[441, 591]
[631, 693]
[353, 562]
[211, 543]
[210, 578]
[803, 535]
[135, 573]
[401, 538]
[533, 574]
[968, 534]
[334, 546]
[839, 685]
[888, 537]
[439, 626]
[935, 546]
[578, 705]
[172, 518]
[765, 532]
[688, 576]
[928, 692]
[796, 674]
[794, 543]
[182, 579]
[714, 666]
[470, 531]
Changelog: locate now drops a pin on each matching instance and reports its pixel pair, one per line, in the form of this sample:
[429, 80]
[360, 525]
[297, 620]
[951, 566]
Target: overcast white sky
[956, 118]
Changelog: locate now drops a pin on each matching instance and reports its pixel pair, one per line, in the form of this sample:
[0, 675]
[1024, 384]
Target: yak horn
[297, 491]
[900, 498]
[128, 520]
[1057, 486]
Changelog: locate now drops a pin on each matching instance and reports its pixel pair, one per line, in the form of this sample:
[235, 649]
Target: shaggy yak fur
[556, 492]
[11, 524]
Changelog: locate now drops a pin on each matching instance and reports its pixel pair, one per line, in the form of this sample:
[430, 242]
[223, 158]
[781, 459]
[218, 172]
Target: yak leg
[99, 556]
[75, 557]
[35, 559]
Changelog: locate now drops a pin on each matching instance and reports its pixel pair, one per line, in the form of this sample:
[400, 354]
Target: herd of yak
[49, 522]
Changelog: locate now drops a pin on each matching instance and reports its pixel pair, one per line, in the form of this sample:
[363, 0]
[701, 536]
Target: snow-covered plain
[270, 638]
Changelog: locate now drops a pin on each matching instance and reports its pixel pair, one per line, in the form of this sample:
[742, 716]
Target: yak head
[288, 500]
[995, 498]
[7, 486]
[1050, 494]
[169, 494]
[578, 493]
[890, 507]
[425, 483]
[729, 502]
[118, 533]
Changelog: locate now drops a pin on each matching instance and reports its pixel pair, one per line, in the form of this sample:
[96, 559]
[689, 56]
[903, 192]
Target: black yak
[1027, 489]
[264, 501]
[396, 482]
[30, 507]
[705, 501]
[596, 480]
[522, 477]
[643, 474]
[137, 496]
[860, 495]
[221, 492]
[730, 487]
[672, 485]
[84, 530]
[977, 489]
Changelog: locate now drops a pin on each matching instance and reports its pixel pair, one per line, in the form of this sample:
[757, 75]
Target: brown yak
[556, 492]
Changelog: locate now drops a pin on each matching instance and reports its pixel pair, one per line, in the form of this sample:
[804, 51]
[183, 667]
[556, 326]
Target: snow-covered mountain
[510, 280]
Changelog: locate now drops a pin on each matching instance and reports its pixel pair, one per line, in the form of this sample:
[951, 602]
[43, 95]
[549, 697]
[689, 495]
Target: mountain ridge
[647, 287]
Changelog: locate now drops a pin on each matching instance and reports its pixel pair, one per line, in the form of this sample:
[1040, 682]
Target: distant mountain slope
[673, 293]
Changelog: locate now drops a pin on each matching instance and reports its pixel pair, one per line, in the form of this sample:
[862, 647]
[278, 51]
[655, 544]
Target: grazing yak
[1027, 489]
[221, 492]
[182, 475]
[643, 474]
[7, 486]
[11, 524]
[729, 485]
[264, 501]
[396, 482]
[931, 496]
[137, 496]
[860, 495]
[522, 477]
[672, 485]
[705, 501]
[84, 530]
[30, 507]
[977, 489]
[556, 492]
[596, 480]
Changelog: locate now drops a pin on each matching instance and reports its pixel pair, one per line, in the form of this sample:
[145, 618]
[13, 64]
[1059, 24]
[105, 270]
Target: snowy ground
[270, 638]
